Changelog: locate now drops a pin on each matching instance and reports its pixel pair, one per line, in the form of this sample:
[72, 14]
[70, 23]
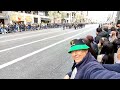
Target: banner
[28, 19]
[13, 17]
[20, 18]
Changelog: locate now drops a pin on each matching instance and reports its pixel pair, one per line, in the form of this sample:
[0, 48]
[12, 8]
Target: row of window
[73, 14]
[34, 12]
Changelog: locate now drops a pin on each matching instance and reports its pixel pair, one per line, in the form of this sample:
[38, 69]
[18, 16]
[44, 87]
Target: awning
[45, 19]
[3, 17]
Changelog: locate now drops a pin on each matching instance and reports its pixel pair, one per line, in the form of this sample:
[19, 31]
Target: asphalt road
[40, 54]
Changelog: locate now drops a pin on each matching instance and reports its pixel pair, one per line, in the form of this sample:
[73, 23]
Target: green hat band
[78, 47]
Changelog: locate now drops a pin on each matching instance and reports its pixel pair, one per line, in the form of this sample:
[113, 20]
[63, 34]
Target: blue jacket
[90, 68]
[112, 67]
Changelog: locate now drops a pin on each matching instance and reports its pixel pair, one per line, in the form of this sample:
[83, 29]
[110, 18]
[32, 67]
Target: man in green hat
[85, 65]
[78, 51]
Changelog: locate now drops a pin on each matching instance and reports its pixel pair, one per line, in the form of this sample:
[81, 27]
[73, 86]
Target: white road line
[31, 36]
[33, 42]
[18, 34]
[26, 37]
[22, 33]
[35, 52]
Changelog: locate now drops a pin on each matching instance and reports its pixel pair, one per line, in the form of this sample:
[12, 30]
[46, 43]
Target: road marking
[33, 35]
[33, 42]
[19, 34]
[37, 51]
[27, 37]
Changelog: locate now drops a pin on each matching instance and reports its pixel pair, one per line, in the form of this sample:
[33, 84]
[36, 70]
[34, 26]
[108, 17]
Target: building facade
[76, 16]
[3, 17]
[24, 17]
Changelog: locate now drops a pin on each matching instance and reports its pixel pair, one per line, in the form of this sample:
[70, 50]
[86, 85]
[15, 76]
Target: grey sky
[100, 15]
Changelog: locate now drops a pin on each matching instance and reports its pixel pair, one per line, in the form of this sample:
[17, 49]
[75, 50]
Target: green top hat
[78, 44]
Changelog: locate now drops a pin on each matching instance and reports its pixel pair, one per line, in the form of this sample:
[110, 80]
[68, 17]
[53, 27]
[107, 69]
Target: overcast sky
[100, 15]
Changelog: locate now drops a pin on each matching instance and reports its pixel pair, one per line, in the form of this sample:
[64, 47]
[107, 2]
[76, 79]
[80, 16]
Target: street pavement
[40, 54]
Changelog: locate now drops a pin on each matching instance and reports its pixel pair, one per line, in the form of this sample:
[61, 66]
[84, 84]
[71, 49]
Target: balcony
[35, 12]
[28, 12]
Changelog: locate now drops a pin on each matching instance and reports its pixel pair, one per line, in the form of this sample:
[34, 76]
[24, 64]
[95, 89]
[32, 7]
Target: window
[35, 20]
[35, 12]
[46, 13]
[29, 12]
[67, 15]
[72, 13]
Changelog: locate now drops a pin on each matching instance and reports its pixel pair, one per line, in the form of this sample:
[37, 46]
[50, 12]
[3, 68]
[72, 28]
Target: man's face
[78, 55]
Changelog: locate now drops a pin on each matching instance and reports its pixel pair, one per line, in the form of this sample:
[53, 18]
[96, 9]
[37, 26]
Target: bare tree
[63, 15]
[54, 15]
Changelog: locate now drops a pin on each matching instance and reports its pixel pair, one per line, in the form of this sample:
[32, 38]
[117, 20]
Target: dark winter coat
[100, 35]
[90, 68]
[112, 67]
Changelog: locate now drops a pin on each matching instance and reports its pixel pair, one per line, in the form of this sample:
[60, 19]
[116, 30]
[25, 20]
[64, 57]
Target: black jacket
[100, 35]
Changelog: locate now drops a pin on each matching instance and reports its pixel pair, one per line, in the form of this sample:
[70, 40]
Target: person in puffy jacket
[99, 34]
[85, 65]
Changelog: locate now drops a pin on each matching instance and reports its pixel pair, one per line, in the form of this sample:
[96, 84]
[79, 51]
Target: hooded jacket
[90, 68]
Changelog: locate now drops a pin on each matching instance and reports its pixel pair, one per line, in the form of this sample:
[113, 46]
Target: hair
[103, 43]
[113, 29]
[99, 29]
[113, 33]
[90, 38]
[108, 58]
[102, 40]
[87, 42]
[105, 29]
[116, 43]
[71, 42]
